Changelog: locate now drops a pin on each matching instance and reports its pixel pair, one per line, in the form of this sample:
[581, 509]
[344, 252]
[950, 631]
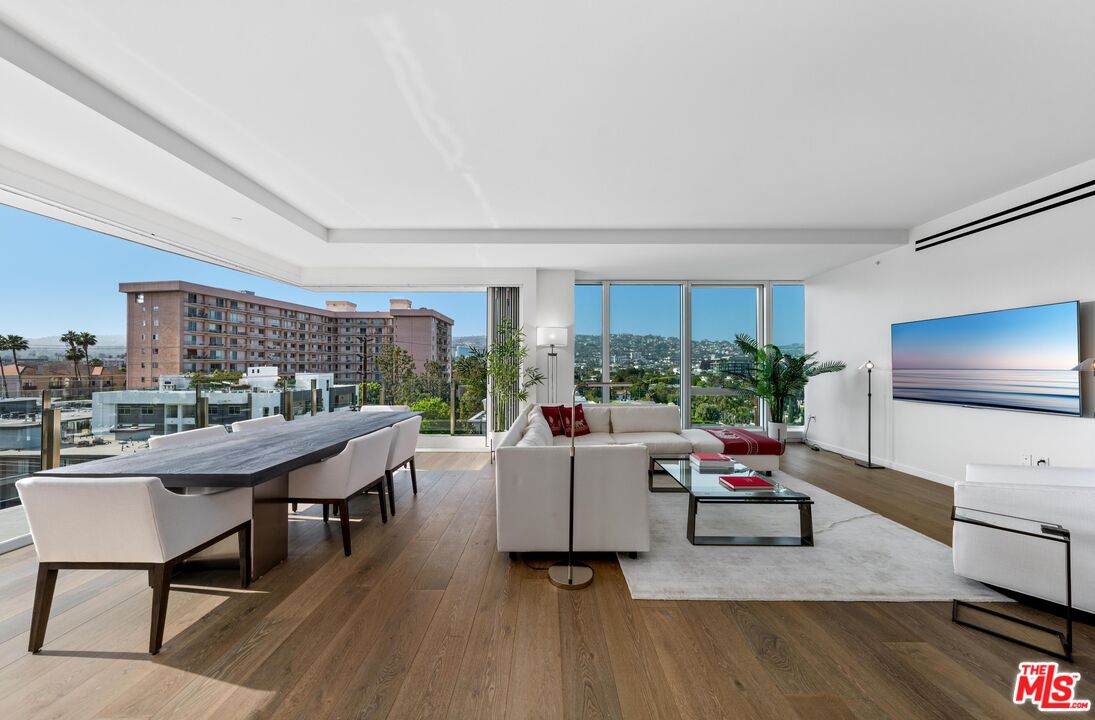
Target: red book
[709, 457]
[744, 482]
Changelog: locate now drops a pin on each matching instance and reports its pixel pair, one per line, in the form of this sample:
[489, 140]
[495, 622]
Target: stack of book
[744, 481]
[710, 462]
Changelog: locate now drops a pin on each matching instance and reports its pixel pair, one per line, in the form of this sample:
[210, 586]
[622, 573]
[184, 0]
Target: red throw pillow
[581, 427]
[554, 416]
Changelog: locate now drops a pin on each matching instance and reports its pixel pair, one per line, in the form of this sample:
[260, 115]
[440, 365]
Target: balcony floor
[427, 619]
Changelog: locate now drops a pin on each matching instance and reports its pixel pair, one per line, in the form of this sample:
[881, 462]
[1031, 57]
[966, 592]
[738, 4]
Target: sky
[66, 278]
[1039, 338]
[717, 313]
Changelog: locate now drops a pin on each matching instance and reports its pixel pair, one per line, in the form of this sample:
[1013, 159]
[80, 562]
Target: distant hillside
[51, 346]
[478, 341]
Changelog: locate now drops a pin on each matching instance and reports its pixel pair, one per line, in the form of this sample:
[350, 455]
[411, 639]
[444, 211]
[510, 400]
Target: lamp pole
[571, 575]
[869, 366]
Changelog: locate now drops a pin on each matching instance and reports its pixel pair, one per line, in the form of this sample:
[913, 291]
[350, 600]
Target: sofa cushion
[581, 427]
[657, 443]
[598, 418]
[646, 418]
[531, 439]
[554, 416]
[702, 441]
[590, 439]
[516, 431]
[539, 429]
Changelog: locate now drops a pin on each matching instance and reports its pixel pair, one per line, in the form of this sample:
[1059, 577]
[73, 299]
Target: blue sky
[66, 278]
[717, 313]
[1043, 338]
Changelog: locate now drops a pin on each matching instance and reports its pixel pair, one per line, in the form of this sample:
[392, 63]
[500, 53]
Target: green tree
[434, 379]
[86, 340]
[3, 373]
[217, 377]
[396, 368]
[75, 354]
[73, 339]
[16, 344]
[470, 372]
[433, 408]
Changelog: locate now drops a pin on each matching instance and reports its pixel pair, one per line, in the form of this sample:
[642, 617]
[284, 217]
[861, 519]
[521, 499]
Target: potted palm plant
[776, 377]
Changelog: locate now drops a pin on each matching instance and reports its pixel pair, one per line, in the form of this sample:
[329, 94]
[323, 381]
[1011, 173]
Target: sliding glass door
[718, 316]
[588, 340]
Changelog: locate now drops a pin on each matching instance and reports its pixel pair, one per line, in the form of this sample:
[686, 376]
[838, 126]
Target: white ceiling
[665, 115]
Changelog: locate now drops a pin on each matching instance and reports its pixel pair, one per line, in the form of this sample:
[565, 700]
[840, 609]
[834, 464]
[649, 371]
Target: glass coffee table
[704, 487]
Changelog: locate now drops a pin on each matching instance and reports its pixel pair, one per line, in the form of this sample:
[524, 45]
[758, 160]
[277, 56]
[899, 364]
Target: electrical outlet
[1028, 459]
[1042, 462]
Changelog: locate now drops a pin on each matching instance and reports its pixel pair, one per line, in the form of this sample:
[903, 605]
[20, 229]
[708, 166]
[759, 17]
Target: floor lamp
[568, 574]
[552, 337]
[868, 366]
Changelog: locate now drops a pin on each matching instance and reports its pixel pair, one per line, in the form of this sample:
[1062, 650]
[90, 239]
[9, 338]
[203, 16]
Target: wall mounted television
[1018, 359]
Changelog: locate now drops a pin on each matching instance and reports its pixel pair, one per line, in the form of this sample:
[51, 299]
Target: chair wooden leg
[43, 600]
[414, 477]
[383, 501]
[245, 555]
[324, 512]
[344, 521]
[294, 507]
[160, 591]
[390, 477]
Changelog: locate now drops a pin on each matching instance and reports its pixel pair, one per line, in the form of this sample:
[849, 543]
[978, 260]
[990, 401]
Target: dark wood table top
[242, 460]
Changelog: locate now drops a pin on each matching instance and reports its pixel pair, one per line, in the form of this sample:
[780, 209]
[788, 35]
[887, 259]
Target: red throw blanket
[736, 441]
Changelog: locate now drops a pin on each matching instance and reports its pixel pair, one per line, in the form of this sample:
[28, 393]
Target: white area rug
[857, 555]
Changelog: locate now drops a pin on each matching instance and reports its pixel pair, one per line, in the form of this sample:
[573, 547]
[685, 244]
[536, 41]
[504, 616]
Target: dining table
[260, 460]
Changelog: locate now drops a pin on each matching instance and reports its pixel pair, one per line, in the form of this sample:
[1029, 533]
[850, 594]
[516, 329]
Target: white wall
[555, 308]
[1045, 258]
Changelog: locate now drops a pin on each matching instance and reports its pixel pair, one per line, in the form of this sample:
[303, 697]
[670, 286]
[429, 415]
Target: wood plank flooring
[427, 620]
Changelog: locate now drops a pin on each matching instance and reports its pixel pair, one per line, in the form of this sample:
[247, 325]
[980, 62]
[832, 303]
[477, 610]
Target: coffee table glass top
[706, 484]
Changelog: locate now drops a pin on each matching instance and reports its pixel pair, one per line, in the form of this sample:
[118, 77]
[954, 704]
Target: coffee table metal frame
[805, 537]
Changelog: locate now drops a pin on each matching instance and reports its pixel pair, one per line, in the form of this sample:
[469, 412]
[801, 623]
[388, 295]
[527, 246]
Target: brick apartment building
[176, 327]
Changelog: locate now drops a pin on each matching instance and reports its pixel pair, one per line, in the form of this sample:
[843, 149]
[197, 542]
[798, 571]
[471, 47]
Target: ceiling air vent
[1049, 202]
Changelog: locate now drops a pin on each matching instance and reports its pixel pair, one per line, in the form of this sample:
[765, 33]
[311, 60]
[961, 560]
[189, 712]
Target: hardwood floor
[426, 619]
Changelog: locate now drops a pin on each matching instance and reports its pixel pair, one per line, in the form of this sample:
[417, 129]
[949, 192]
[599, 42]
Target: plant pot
[777, 431]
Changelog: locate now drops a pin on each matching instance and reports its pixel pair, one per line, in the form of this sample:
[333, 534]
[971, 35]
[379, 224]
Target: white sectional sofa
[1064, 496]
[612, 470]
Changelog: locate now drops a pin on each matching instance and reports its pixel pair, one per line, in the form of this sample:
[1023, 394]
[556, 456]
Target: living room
[755, 376]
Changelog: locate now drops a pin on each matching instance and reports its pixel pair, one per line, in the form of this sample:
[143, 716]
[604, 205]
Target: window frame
[764, 330]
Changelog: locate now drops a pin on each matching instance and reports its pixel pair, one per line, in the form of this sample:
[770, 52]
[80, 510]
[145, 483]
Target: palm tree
[86, 340]
[775, 377]
[3, 374]
[15, 343]
[73, 339]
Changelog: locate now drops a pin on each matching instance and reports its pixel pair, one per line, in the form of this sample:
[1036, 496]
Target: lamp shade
[556, 336]
[1088, 364]
[869, 365]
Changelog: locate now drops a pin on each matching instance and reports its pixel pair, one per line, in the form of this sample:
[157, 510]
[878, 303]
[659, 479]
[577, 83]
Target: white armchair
[258, 423]
[125, 523]
[358, 468]
[1064, 496]
[402, 453]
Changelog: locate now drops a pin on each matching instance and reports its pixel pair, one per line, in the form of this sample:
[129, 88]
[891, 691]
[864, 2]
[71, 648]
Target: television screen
[1019, 359]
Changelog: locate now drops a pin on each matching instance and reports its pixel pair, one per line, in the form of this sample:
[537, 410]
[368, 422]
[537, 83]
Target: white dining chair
[261, 423]
[129, 523]
[402, 453]
[358, 468]
[212, 433]
[385, 408]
